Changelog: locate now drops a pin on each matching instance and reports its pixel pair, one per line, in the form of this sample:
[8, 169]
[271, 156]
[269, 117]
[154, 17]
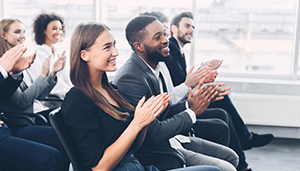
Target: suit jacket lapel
[154, 82]
[181, 58]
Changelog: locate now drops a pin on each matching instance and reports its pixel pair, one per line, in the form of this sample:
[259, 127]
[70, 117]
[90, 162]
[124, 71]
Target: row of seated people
[101, 117]
[30, 147]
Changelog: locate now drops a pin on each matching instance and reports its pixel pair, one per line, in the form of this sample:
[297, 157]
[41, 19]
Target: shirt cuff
[3, 72]
[192, 115]
[184, 88]
[16, 76]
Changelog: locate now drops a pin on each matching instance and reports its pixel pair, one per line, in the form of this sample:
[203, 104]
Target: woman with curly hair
[32, 147]
[49, 29]
[25, 98]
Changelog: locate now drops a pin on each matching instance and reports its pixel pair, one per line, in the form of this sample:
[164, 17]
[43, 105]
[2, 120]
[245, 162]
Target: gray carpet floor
[280, 155]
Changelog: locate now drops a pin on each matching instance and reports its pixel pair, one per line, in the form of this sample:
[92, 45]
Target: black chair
[58, 124]
[13, 118]
[22, 118]
[52, 100]
[163, 158]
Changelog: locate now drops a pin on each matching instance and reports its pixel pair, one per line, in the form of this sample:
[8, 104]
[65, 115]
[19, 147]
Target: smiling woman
[102, 54]
[50, 29]
[12, 34]
[25, 98]
[40, 140]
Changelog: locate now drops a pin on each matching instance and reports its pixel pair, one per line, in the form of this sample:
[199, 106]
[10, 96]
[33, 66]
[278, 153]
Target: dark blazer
[177, 64]
[7, 87]
[135, 80]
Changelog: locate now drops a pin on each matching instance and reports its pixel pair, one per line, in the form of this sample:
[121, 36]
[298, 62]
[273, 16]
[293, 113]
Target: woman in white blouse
[49, 29]
[25, 98]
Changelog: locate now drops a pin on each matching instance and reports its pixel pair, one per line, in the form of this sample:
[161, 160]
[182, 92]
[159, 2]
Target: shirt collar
[181, 50]
[156, 70]
[48, 49]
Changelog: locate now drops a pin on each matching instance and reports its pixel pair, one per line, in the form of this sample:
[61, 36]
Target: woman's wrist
[135, 125]
[53, 75]
[43, 75]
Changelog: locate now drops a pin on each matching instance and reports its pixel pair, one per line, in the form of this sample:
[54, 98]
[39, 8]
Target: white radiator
[262, 109]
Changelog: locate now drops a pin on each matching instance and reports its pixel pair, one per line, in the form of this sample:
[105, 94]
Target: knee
[233, 158]
[213, 169]
[221, 126]
[222, 114]
[225, 166]
[50, 160]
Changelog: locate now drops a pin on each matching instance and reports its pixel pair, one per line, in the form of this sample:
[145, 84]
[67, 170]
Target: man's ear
[84, 55]
[138, 46]
[174, 29]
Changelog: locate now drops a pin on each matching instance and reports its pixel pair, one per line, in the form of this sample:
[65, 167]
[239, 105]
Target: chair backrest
[57, 122]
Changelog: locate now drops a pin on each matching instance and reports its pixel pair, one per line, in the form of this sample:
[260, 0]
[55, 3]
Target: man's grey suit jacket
[135, 80]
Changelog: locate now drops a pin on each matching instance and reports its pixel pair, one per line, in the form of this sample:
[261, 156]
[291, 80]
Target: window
[117, 14]
[73, 12]
[253, 37]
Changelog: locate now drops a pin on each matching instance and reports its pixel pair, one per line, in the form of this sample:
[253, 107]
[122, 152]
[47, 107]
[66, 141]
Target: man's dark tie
[163, 82]
[183, 63]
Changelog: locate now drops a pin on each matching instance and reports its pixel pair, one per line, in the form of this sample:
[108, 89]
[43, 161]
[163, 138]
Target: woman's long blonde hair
[4, 28]
[84, 37]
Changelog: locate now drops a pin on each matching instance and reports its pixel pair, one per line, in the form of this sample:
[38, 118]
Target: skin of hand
[24, 63]
[211, 76]
[10, 58]
[46, 67]
[1, 122]
[146, 112]
[192, 78]
[215, 64]
[58, 65]
[221, 92]
[200, 98]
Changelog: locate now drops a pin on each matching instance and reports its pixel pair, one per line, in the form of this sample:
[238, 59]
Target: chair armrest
[53, 98]
[22, 118]
[164, 158]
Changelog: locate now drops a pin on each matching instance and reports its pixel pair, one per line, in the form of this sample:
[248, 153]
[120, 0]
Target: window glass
[118, 14]
[252, 36]
[1, 9]
[298, 68]
[73, 12]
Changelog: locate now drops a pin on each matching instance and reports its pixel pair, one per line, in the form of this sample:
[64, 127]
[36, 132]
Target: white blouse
[63, 79]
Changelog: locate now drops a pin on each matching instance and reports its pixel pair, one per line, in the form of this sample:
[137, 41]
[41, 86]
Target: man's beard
[155, 56]
[180, 37]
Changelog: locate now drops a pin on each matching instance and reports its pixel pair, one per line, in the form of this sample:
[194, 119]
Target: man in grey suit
[138, 78]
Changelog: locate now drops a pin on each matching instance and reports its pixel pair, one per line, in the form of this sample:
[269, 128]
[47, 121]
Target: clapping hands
[146, 112]
[13, 59]
[59, 65]
[214, 63]
[200, 98]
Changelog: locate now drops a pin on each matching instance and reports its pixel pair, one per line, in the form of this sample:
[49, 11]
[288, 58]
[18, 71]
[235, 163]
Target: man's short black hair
[136, 29]
[177, 18]
[159, 15]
